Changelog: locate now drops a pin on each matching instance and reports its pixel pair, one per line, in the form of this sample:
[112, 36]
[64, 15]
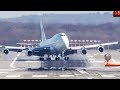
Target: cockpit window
[62, 35]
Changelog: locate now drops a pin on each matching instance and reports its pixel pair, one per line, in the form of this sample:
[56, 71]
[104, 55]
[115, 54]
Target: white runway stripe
[81, 71]
[11, 65]
[95, 54]
[77, 74]
[66, 75]
[7, 70]
[39, 75]
[89, 78]
[91, 59]
[3, 72]
[97, 61]
[102, 54]
[90, 56]
[107, 76]
[12, 76]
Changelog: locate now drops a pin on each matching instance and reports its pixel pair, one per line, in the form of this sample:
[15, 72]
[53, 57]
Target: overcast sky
[9, 14]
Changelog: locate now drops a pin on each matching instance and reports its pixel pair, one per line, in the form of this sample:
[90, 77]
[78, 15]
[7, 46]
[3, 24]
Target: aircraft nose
[66, 41]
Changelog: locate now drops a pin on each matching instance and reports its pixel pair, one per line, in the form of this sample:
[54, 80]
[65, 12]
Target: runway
[11, 68]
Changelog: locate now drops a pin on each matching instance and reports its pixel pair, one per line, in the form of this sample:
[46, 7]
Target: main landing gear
[41, 58]
[48, 58]
[66, 58]
[56, 58]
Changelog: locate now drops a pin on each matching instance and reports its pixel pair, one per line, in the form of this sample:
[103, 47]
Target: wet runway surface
[11, 67]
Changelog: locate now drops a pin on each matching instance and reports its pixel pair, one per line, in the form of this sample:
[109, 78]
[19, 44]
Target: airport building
[73, 43]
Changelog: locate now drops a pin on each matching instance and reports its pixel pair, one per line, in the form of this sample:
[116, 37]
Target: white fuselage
[58, 42]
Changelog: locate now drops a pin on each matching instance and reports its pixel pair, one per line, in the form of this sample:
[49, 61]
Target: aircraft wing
[92, 46]
[28, 44]
[13, 48]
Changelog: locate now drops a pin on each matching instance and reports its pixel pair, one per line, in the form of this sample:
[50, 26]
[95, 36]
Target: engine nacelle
[29, 53]
[19, 50]
[41, 51]
[6, 51]
[69, 51]
[84, 51]
[101, 49]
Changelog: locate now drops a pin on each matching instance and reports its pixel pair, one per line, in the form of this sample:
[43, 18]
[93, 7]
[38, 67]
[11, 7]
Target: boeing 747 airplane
[55, 46]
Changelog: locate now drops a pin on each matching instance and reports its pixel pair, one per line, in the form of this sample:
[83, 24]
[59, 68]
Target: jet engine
[69, 51]
[84, 51]
[6, 51]
[29, 53]
[39, 51]
[101, 49]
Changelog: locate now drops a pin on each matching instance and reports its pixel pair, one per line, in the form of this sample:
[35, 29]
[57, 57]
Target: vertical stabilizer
[43, 37]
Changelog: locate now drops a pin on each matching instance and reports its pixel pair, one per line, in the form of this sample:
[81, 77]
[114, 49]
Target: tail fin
[43, 37]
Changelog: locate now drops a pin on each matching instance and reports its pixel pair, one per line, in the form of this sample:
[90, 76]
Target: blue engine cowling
[101, 49]
[29, 53]
[69, 51]
[39, 51]
[6, 51]
[84, 51]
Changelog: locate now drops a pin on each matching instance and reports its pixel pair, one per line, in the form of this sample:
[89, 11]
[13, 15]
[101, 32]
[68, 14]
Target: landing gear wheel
[48, 58]
[57, 58]
[41, 59]
[66, 58]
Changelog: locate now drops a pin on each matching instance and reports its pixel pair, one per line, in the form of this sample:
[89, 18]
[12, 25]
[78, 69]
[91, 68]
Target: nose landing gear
[66, 58]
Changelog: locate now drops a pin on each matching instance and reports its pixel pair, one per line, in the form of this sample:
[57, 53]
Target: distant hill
[12, 33]
[93, 18]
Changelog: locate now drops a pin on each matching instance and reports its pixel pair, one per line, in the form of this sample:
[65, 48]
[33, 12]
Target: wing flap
[28, 44]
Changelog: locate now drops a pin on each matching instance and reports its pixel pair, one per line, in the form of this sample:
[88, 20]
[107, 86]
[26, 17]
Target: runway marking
[39, 75]
[3, 72]
[117, 67]
[115, 74]
[11, 65]
[102, 54]
[89, 78]
[90, 56]
[97, 61]
[12, 76]
[95, 54]
[91, 59]
[81, 71]
[66, 75]
[77, 74]
[108, 75]
[7, 69]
